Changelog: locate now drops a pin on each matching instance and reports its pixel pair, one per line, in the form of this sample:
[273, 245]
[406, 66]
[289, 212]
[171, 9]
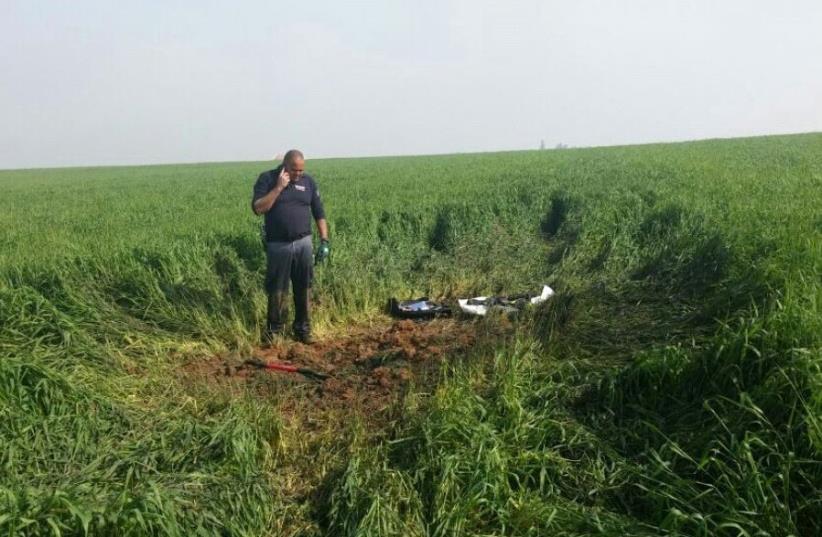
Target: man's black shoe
[304, 337]
[271, 335]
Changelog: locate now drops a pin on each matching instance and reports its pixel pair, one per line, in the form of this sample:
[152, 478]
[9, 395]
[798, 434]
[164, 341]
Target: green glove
[323, 251]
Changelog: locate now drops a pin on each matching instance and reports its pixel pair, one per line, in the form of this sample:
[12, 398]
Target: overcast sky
[129, 82]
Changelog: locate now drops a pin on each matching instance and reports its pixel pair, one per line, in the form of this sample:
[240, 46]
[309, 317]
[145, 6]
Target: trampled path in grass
[671, 387]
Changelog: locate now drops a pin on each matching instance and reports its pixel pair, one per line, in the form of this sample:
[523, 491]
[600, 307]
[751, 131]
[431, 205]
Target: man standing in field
[287, 197]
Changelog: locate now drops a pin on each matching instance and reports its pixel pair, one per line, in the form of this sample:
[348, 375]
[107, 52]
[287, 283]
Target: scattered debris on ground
[418, 308]
[509, 305]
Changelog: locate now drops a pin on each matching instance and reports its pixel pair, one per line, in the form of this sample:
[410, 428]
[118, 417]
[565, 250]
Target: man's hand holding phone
[283, 180]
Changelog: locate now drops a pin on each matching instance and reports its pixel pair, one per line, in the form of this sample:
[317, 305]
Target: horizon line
[411, 155]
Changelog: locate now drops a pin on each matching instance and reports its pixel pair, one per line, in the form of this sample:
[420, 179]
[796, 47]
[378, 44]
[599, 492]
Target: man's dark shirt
[289, 218]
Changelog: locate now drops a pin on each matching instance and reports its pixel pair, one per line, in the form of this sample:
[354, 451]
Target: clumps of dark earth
[368, 366]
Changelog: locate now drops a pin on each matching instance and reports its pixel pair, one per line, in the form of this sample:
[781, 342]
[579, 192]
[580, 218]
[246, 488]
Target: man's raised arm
[264, 203]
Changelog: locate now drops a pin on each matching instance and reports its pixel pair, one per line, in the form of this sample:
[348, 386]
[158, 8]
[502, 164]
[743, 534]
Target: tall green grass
[673, 386]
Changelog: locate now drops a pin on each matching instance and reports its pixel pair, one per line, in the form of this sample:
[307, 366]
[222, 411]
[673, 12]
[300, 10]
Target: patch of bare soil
[368, 367]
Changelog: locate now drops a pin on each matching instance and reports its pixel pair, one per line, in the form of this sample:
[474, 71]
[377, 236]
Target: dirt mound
[367, 366]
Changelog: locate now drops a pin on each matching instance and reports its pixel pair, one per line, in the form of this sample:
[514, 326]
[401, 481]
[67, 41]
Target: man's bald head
[292, 156]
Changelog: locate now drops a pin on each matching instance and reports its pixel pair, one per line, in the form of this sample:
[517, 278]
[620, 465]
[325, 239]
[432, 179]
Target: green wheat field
[672, 386]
